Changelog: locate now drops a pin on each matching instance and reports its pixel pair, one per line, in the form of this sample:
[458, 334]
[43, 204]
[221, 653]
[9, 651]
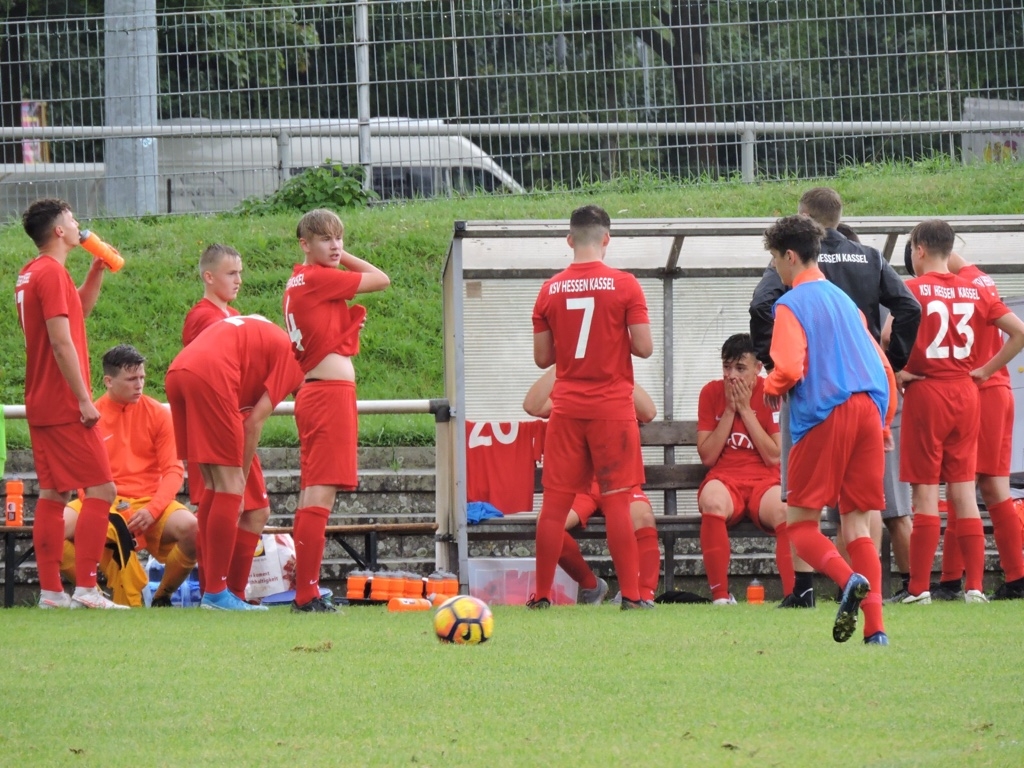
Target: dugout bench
[367, 559]
[370, 533]
[670, 477]
[12, 558]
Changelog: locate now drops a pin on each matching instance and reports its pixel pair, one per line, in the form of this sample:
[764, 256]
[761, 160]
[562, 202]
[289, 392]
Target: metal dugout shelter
[698, 275]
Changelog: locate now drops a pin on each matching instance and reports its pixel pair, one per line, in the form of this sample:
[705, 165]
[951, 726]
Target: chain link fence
[134, 106]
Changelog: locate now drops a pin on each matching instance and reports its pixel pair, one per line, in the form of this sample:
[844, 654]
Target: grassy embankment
[145, 303]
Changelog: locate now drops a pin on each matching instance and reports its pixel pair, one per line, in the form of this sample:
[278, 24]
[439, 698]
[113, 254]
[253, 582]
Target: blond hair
[320, 222]
[213, 254]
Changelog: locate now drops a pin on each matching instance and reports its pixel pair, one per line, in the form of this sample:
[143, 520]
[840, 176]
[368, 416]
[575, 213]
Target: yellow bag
[120, 565]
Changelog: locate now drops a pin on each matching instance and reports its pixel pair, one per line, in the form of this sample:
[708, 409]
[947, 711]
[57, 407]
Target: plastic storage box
[511, 581]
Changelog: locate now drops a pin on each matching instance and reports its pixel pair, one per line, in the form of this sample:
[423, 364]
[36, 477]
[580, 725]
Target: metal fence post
[747, 156]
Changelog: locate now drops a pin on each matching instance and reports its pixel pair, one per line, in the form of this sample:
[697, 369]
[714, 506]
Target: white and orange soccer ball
[463, 620]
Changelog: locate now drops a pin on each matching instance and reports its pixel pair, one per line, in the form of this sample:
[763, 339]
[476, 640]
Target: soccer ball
[464, 620]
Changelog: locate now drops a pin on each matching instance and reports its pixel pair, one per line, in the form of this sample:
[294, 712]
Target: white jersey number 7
[587, 305]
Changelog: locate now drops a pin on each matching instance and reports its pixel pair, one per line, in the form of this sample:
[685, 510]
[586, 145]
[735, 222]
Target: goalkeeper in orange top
[139, 439]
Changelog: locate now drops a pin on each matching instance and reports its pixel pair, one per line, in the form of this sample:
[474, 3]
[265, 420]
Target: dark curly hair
[799, 233]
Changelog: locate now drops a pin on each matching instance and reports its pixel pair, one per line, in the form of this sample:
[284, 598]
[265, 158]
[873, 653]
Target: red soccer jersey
[990, 340]
[204, 314]
[316, 313]
[501, 458]
[44, 291]
[588, 309]
[242, 358]
[739, 458]
[955, 315]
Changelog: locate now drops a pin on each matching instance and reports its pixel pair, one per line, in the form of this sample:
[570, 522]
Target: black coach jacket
[864, 276]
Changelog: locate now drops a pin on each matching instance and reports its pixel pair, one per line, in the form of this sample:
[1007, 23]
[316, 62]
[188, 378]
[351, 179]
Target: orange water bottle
[15, 503]
[101, 250]
[355, 586]
[397, 584]
[435, 585]
[755, 592]
[413, 585]
[450, 584]
[408, 604]
[380, 587]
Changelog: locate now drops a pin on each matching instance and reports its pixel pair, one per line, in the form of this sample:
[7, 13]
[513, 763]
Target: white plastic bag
[273, 567]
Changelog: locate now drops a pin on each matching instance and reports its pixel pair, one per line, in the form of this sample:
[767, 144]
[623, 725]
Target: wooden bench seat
[666, 477]
[369, 532]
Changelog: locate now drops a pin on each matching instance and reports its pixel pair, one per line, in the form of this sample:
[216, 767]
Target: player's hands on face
[141, 521]
[742, 390]
[89, 414]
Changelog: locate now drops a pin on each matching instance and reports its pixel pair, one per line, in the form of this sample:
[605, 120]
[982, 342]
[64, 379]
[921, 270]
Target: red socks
[202, 515]
[864, 558]
[818, 551]
[1007, 529]
[714, 544]
[310, 538]
[622, 542]
[219, 542]
[572, 562]
[550, 536]
[952, 560]
[241, 562]
[784, 559]
[971, 535]
[48, 540]
[924, 540]
[650, 561]
[90, 538]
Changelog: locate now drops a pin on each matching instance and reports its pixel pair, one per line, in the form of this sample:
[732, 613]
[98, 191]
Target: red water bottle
[101, 250]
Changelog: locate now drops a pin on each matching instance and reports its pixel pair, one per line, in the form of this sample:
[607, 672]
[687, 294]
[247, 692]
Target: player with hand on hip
[941, 416]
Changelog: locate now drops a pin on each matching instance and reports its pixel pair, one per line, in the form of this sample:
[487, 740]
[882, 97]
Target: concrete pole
[130, 80]
[363, 87]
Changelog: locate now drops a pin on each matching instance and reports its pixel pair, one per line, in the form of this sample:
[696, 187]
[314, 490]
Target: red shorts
[578, 450]
[325, 413]
[939, 434]
[207, 425]
[585, 505]
[69, 456]
[995, 436]
[254, 497]
[841, 461]
[746, 495]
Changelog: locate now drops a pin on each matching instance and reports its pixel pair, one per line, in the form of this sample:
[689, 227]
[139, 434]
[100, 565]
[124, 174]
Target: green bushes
[331, 185]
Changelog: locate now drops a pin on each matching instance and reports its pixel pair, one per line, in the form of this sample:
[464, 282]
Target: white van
[200, 173]
[216, 172]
